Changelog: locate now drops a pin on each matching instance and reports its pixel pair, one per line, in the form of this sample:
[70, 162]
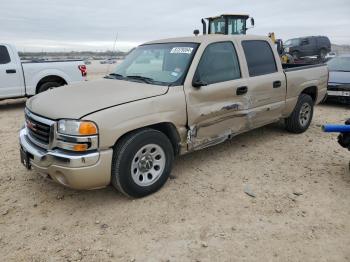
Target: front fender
[116, 121]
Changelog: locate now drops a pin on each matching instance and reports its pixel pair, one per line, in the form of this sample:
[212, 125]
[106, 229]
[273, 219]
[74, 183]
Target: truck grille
[344, 87]
[38, 131]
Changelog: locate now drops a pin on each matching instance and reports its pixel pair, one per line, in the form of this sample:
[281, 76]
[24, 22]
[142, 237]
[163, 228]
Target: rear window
[4, 55]
[324, 40]
[259, 56]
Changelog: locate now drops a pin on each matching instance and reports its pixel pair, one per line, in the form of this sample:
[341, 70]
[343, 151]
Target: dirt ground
[300, 212]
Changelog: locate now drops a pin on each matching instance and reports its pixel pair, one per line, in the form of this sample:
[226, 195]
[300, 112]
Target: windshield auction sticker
[181, 50]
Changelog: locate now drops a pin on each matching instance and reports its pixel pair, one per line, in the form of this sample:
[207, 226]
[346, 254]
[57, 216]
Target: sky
[67, 25]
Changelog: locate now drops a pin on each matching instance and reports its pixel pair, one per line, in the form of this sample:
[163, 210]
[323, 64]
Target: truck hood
[80, 99]
[338, 77]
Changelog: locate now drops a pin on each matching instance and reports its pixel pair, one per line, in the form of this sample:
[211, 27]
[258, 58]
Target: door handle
[241, 90]
[277, 84]
[10, 71]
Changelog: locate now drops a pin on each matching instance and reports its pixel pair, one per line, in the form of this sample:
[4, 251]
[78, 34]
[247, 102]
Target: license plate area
[338, 93]
[25, 158]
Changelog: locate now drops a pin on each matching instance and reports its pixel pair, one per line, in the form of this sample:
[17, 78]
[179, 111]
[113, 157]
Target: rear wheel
[142, 162]
[323, 54]
[299, 121]
[46, 86]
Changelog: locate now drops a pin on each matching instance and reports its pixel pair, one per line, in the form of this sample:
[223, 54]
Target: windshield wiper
[114, 76]
[147, 80]
[340, 70]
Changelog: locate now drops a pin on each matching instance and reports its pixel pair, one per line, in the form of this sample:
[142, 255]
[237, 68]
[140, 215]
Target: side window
[259, 56]
[4, 55]
[218, 63]
[305, 41]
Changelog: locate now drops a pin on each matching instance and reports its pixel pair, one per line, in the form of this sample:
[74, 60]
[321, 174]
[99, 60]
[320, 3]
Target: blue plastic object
[336, 128]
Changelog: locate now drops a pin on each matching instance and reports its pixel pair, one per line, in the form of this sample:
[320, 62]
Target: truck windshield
[236, 26]
[339, 64]
[160, 64]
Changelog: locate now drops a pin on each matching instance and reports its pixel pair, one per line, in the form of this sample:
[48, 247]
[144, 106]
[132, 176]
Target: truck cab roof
[208, 38]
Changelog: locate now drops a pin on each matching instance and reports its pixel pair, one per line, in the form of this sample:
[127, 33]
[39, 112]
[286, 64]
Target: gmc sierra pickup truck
[22, 79]
[168, 97]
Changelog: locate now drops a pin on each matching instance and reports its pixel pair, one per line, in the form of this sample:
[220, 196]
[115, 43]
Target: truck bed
[296, 67]
[67, 70]
[49, 61]
[301, 76]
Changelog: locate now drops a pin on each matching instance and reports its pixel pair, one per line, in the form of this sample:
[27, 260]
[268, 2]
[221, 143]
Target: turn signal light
[87, 128]
[80, 147]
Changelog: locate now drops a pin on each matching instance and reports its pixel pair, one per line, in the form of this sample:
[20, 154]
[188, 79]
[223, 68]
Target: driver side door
[217, 100]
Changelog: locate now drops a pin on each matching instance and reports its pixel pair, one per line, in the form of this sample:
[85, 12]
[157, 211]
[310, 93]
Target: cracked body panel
[218, 111]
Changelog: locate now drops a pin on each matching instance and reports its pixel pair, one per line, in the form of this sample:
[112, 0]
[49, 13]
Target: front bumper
[78, 171]
[339, 92]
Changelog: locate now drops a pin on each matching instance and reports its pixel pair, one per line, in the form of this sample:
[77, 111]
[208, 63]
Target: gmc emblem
[31, 125]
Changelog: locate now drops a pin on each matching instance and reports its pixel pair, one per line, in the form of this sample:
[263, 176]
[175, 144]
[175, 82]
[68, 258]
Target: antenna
[115, 42]
[113, 51]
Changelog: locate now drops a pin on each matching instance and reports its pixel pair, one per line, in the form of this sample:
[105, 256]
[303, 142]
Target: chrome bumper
[80, 171]
[45, 158]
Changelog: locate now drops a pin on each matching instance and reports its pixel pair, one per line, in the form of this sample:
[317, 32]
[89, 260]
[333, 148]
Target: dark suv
[308, 46]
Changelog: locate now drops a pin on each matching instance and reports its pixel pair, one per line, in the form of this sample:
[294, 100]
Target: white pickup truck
[22, 79]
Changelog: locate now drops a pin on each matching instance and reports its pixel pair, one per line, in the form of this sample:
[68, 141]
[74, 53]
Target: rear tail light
[83, 70]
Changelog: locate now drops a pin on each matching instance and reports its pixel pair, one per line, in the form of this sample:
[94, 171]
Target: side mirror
[252, 22]
[196, 32]
[199, 83]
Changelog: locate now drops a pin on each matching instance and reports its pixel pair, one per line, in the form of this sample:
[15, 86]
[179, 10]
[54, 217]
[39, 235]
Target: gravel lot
[301, 211]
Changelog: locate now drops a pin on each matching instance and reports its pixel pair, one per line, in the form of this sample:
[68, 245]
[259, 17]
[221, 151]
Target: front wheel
[142, 162]
[300, 120]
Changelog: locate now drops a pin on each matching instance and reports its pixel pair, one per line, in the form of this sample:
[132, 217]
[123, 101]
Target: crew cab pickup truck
[167, 98]
[22, 79]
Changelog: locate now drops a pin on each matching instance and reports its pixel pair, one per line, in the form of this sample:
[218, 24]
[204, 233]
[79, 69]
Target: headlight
[76, 135]
[76, 127]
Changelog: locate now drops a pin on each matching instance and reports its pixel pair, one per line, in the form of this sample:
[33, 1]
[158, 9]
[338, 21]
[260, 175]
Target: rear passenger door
[215, 109]
[266, 83]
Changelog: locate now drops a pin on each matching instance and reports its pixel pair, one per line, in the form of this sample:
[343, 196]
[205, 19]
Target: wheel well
[311, 91]
[51, 78]
[167, 129]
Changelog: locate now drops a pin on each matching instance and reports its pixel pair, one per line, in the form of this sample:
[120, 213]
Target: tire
[136, 173]
[46, 86]
[301, 117]
[323, 53]
[295, 55]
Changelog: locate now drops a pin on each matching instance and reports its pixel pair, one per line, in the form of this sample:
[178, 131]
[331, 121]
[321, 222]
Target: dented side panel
[216, 112]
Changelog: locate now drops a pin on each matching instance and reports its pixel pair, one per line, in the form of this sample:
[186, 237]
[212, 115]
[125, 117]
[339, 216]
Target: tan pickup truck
[168, 97]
